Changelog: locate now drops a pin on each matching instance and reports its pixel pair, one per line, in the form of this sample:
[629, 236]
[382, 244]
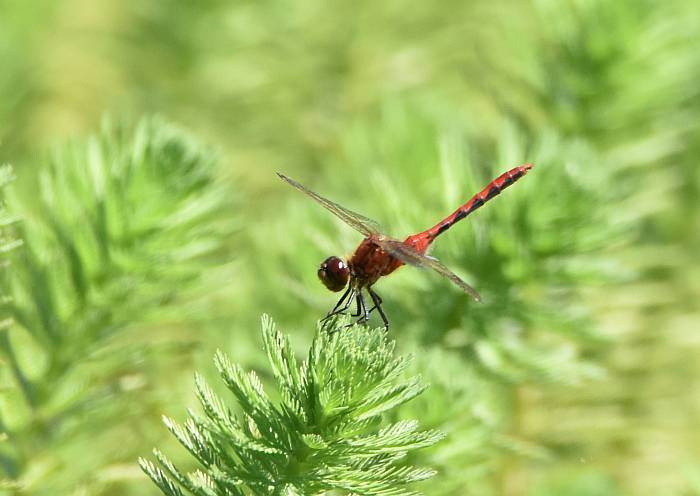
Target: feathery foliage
[574, 376]
[116, 230]
[325, 434]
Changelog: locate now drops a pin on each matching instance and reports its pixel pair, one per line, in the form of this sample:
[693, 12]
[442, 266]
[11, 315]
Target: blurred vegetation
[118, 235]
[577, 374]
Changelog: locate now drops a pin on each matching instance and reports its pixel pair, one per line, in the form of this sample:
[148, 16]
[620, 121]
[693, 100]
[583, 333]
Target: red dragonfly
[379, 255]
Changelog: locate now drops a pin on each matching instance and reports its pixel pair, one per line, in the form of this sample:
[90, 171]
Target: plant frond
[336, 444]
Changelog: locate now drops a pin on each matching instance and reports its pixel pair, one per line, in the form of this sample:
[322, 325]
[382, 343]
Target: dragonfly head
[334, 273]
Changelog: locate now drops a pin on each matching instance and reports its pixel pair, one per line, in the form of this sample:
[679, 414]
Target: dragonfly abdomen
[422, 240]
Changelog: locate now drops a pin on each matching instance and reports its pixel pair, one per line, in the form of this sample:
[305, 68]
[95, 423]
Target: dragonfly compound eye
[334, 273]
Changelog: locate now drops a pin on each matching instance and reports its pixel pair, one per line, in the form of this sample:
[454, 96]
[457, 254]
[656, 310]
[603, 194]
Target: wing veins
[412, 257]
[359, 222]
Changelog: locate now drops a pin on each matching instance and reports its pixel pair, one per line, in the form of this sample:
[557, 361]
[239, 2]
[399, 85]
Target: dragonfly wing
[357, 221]
[412, 257]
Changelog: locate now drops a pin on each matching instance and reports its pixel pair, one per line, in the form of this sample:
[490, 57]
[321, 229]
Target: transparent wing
[359, 222]
[412, 257]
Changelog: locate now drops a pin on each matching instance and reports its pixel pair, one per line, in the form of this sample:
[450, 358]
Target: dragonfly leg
[341, 300]
[378, 305]
[362, 308]
[339, 308]
[376, 299]
[359, 304]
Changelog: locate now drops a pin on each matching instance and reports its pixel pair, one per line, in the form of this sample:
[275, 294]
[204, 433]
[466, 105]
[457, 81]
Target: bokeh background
[580, 373]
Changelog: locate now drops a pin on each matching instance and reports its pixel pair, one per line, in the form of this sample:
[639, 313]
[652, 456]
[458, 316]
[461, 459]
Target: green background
[578, 375]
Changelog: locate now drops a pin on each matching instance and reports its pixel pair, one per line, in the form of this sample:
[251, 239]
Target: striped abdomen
[421, 241]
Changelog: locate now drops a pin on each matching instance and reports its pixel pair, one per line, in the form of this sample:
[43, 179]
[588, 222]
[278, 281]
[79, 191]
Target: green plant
[325, 434]
[118, 231]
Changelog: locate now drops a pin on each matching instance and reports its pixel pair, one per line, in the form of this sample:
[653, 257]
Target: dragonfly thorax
[370, 262]
[334, 273]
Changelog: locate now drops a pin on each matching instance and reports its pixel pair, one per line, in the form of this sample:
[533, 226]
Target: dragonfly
[379, 255]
